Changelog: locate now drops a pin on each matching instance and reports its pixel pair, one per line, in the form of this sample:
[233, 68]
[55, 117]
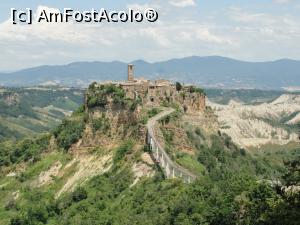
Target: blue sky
[257, 30]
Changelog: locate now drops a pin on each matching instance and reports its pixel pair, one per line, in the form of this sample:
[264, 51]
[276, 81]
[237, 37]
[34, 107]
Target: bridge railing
[170, 168]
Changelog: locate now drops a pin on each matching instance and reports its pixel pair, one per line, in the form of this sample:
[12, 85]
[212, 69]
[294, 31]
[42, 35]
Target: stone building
[155, 93]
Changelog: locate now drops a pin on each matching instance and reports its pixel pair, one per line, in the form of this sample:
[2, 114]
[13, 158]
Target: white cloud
[204, 34]
[65, 32]
[239, 15]
[265, 35]
[142, 7]
[283, 1]
[45, 43]
[239, 34]
[182, 3]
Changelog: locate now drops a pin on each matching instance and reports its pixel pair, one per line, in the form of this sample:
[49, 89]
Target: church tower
[130, 72]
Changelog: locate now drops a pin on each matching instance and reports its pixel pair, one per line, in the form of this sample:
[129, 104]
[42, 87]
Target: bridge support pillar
[168, 172]
[162, 161]
[151, 144]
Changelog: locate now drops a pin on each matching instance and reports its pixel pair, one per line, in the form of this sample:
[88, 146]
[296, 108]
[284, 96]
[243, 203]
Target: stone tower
[130, 72]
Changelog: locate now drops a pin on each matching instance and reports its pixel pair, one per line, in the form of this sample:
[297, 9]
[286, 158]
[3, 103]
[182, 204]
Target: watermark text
[93, 16]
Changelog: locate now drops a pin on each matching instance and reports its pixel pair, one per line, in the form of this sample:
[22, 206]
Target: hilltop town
[158, 92]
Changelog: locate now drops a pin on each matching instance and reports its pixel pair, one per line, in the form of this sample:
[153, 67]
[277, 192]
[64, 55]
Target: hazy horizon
[151, 62]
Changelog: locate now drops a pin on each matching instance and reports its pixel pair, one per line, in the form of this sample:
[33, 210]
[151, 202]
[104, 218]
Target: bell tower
[130, 72]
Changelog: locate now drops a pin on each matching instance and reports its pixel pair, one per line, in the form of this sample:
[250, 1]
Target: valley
[26, 112]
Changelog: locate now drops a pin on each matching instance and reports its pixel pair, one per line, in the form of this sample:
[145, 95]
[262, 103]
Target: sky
[253, 30]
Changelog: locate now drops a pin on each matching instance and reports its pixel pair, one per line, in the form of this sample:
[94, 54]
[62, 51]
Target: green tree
[69, 132]
[178, 86]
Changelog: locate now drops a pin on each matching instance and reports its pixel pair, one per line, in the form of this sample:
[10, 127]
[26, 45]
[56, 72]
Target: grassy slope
[22, 184]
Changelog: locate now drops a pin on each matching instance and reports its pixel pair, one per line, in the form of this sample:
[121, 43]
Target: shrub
[97, 96]
[24, 150]
[168, 136]
[199, 133]
[69, 132]
[123, 150]
[11, 204]
[242, 151]
[178, 86]
[193, 89]
[101, 124]
[133, 105]
[95, 101]
[17, 221]
[79, 111]
[234, 154]
[79, 194]
[153, 112]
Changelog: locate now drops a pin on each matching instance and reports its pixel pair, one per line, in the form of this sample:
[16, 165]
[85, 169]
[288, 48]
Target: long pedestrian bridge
[170, 168]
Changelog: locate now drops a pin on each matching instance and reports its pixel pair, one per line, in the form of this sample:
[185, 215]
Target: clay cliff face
[255, 125]
[111, 114]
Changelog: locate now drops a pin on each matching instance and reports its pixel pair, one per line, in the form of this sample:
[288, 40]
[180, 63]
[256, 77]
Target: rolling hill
[212, 71]
[30, 111]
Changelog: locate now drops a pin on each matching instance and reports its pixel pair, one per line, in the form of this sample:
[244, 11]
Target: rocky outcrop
[10, 98]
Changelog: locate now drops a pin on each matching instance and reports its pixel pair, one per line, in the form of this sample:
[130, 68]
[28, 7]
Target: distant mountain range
[212, 71]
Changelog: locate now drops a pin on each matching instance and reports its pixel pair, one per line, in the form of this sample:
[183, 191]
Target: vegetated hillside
[254, 125]
[245, 96]
[210, 71]
[29, 111]
[95, 169]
